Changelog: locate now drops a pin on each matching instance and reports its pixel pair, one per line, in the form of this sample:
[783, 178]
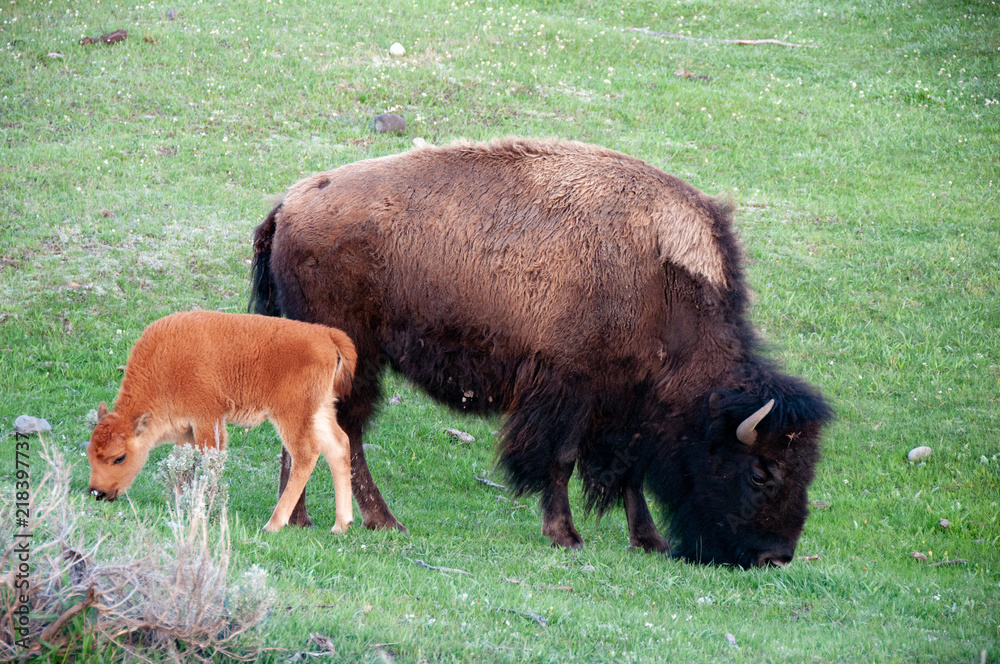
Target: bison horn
[745, 431]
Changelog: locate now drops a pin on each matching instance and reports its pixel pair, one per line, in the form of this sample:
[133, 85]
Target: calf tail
[348, 360]
[263, 295]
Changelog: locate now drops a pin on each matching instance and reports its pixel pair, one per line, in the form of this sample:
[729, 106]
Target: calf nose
[776, 557]
[99, 495]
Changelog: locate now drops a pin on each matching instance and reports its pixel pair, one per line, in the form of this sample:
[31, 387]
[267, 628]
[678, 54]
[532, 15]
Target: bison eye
[757, 479]
[120, 459]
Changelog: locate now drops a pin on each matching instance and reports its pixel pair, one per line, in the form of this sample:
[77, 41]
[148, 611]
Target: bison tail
[263, 295]
[348, 361]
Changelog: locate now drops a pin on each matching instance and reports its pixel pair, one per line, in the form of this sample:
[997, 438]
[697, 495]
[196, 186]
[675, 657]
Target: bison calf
[191, 372]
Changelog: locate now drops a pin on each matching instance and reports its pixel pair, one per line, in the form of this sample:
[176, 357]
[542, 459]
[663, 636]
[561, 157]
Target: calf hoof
[340, 528]
[272, 526]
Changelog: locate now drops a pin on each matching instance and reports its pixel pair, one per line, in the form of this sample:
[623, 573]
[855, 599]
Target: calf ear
[102, 412]
[142, 422]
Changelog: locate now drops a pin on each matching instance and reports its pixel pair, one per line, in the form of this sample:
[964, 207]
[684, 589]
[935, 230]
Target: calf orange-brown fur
[190, 373]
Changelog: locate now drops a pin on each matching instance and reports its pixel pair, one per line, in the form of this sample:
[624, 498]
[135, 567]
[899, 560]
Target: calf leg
[303, 439]
[208, 435]
[336, 447]
[299, 516]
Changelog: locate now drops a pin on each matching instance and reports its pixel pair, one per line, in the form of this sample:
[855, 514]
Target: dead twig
[546, 587]
[745, 42]
[89, 600]
[451, 570]
[482, 478]
[109, 38]
[541, 620]
[956, 561]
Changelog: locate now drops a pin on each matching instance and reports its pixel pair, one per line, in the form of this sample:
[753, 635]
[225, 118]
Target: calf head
[741, 498]
[116, 453]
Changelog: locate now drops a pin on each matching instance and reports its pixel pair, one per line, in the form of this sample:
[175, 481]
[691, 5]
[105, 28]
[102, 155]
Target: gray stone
[26, 425]
[388, 122]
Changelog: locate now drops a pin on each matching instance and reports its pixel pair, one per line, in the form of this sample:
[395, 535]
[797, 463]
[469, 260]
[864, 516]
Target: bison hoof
[301, 519]
[567, 540]
[651, 544]
[384, 524]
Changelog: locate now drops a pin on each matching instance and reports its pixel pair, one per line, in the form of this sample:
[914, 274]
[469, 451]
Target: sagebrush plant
[190, 474]
[866, 168]
[135, 593]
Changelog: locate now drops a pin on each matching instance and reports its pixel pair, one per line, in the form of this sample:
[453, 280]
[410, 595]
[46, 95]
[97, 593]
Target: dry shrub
[189, 474]
[143, 594]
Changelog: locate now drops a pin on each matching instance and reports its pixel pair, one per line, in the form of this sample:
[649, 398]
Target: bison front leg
[642, 532]
[299, 516]
[557, 519]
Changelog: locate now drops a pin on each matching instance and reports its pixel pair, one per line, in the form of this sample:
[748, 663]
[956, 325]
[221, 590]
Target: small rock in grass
[944, 523]
[324, 643]
[389, 122]
[919, 556]
[819, 505]
[919, 453]
[397, 50]
[26, 425]
[171, 14]
[461, 435]
[395, 399]
[588, 568]
[731, 639]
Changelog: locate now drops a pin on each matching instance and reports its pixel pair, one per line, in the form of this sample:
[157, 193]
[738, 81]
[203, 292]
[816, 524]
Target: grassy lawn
[866, 164]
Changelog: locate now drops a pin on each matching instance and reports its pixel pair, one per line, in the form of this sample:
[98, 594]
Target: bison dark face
[740, 497]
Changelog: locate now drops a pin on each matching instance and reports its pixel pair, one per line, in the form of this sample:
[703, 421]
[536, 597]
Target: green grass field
[866, 164]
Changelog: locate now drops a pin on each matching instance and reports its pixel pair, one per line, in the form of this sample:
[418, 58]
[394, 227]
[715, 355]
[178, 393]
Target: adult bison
[594, 299]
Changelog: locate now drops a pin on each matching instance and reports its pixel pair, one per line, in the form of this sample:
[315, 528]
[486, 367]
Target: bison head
[115, 453]
[736, 485]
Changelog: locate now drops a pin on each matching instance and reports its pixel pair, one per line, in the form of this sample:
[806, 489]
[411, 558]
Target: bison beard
[594, 299]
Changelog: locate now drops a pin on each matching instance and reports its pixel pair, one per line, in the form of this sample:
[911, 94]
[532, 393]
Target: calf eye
[120, 459]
